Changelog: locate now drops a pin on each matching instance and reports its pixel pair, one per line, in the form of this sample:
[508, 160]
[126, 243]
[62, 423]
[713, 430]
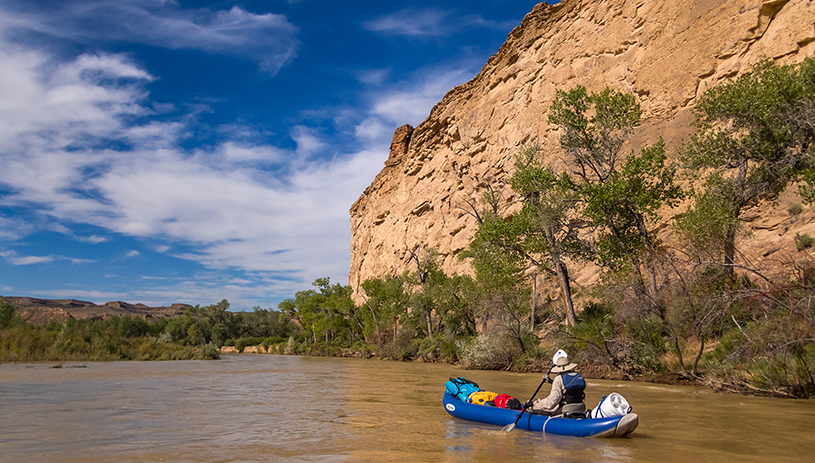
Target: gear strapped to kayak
[461, 388]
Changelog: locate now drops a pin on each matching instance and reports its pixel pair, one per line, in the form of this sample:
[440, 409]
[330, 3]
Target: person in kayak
[567, 393]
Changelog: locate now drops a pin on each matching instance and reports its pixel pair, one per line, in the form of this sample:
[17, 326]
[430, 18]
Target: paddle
[511, 426]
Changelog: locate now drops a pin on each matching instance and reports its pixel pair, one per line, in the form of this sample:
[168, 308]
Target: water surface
[281, 408]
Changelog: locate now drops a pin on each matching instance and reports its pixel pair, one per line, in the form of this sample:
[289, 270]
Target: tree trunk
[730, 251]
[694, 370]
[565, 287]
[534, 300]
[376, 324]
[679, 355]
[563, 277]
[429, 327]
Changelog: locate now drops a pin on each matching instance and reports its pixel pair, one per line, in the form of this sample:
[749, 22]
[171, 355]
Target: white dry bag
[611, 405]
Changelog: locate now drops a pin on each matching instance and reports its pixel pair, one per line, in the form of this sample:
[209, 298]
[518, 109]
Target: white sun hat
[561, 363]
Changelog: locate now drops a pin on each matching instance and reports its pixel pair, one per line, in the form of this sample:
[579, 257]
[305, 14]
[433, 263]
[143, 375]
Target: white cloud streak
[269, 39]
[430, 22]
[414, 23]
[17, 259]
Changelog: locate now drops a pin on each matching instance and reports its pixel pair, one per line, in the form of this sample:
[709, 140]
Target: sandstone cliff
[665, 52]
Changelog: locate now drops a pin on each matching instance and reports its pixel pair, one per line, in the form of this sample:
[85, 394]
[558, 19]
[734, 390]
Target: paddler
[568, 388]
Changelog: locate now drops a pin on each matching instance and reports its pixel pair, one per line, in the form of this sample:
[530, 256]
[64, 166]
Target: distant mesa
[41, 311]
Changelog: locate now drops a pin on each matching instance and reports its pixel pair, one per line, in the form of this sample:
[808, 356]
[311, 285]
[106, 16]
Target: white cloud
[278, 215]
[431, 22]
[88, 94]
[224, 203]
[93, 239]
[414, 23]
[132, 253]
[13, 228]
[270, 39]
[411, 103]
[16, 259]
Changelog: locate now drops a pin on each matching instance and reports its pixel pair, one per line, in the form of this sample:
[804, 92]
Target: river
[258, 408]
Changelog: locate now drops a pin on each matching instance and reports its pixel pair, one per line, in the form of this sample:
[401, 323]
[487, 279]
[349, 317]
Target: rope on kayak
[544, 423]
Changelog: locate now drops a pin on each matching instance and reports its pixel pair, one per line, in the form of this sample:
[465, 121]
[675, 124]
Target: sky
[168, 151]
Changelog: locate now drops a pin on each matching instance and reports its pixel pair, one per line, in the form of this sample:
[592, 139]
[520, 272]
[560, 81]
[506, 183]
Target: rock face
[665, 53]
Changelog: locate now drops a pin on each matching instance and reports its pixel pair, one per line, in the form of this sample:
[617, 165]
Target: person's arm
[552, 402]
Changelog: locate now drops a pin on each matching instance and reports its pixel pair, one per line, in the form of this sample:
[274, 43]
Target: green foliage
[755, 136]
[619, 194]
[711, 224]
[771, 350]
[196, 334]
[795, 209]
[6, 313]
[112, 339]
[803, 241]
[595, 326]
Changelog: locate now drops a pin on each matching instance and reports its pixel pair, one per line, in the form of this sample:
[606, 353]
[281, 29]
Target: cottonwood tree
[755, 136]
[546, 227]
[619, 193]
[386, 303]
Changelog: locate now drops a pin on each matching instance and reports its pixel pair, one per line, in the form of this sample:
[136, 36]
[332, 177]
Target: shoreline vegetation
[691, 311]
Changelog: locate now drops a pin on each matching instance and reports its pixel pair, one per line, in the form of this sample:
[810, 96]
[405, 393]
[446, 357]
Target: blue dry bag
[461, 388]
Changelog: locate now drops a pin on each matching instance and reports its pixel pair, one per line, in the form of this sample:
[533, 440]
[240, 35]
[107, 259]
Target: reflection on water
[280, 408]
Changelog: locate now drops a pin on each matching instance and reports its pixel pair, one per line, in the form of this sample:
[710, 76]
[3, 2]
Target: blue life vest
[575, 386]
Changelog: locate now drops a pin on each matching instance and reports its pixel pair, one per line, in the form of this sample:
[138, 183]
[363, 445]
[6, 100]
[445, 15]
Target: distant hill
[41, 311]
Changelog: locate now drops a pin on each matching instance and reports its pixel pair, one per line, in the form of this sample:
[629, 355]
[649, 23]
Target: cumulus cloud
[270, 39]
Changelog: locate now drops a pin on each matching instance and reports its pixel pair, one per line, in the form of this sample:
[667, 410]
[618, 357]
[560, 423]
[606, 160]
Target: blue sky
[163, 151]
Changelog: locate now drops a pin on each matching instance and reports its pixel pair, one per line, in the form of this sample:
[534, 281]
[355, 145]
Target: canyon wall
[667, 53]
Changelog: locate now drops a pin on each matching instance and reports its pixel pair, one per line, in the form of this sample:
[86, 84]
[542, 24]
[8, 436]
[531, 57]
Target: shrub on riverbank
[118, 338]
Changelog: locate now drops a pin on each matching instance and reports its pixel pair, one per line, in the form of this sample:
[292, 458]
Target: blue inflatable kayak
[615, 426]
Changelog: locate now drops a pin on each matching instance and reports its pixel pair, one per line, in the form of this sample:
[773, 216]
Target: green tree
[339, 310]
[547, 224]
[620, 193]
[755, 136]
[386, 301]
[711, 224]
[428, 276]
[6, 313]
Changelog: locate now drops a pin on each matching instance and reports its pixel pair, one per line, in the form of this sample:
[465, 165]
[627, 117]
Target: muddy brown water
[258, 408]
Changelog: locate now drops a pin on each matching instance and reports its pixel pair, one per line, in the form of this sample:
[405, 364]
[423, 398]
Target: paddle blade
[508, 427]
